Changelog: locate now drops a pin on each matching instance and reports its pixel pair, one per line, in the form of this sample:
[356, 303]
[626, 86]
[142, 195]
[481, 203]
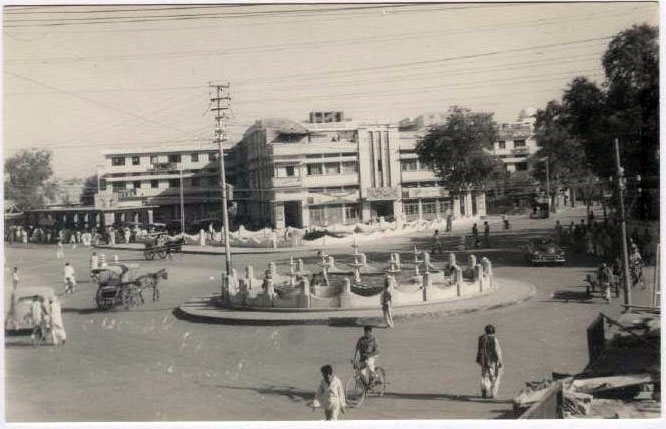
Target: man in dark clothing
[368, 350]
[475, 236]
[489, 356]
[486, 233]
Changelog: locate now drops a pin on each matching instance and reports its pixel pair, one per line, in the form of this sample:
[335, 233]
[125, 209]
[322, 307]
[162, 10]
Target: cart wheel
[103, 303]
[149, 254]
[162, 253]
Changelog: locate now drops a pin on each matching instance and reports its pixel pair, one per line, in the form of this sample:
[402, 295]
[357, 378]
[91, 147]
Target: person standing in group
[475, 236]
[57, 327]
[59, 252]
[37, 316]
[489, 356]
[69, 278]
[438, 243]
[486, 233]
[330, 394]
[385, 299]
[605, 277]
[636, 267]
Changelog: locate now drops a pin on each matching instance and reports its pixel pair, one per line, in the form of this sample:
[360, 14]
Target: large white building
[332, 170]
[146, 184]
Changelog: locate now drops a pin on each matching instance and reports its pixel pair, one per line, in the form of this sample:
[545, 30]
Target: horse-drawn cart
[120, 285]
[162, 246]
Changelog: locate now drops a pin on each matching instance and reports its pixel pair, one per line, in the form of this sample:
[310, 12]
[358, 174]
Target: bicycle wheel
[355, 391]
[380, 382]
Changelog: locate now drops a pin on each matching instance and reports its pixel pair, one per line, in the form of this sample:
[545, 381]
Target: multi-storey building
[331, 170]
[149, 184]
[516, 141]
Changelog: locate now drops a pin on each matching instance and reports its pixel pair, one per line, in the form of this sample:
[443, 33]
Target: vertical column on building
[468, 204]
[278, 215]
[344, 215]
[481, 204]
[305, 215]
[366, 213]
[420, 209]
[455, 207]
[150, 216]
[397, 208]
[437, 209]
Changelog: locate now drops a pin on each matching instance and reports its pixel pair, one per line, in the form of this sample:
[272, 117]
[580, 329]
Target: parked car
[19, 318]
[544, 251]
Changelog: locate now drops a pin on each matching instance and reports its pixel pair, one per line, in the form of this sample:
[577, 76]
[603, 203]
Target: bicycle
[356, 389]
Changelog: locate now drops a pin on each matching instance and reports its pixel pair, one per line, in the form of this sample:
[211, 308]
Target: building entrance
[381, 209]
[292, 214]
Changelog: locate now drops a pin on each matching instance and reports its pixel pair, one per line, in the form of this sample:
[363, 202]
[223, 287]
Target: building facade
[516, 141]
[149, 185]
[332, 170]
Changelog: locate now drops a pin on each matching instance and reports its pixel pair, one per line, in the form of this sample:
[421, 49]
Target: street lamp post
[182, 202]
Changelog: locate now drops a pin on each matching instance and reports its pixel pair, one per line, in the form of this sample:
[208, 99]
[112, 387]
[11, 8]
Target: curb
[182, 313]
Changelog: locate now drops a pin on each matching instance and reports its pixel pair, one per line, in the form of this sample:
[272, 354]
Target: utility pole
[623, 224]
[182, 201]
[548, 185]
[221, 101]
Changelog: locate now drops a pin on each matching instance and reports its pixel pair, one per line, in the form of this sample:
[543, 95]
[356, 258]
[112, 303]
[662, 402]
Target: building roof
[163, 149]
[285, 126]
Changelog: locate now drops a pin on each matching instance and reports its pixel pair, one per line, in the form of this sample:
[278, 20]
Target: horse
[152, 280]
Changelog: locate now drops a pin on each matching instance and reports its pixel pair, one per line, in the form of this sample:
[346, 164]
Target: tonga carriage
[117, 285]
[162, 246]
[120, 285]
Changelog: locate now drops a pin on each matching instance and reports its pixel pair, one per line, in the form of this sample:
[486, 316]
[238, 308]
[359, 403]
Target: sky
[81, 79]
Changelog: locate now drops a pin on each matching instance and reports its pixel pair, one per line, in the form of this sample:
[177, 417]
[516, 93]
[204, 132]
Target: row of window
[154, 159]
[322, 169]
[516, 144]
[162, 172]
[427, 207]
[195, 182]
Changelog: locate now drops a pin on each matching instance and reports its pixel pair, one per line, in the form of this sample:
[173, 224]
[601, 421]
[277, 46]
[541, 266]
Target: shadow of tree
[445, 397]
[290, 392]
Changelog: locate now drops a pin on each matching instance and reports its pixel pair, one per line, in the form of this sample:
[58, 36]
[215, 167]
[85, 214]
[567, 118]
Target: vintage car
[544, 251]
[19, 316]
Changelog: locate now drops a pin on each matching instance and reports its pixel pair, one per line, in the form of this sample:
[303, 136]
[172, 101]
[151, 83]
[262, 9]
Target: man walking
[330, 394]
[69, 278]
[605, 279]
[386, 298]
[489, 356]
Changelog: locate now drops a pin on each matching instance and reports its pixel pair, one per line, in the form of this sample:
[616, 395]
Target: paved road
[144, 364]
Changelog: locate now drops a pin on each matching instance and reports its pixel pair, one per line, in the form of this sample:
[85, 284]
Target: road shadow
[290, 392]
[116, 309]
[27, 344]
[445, 397]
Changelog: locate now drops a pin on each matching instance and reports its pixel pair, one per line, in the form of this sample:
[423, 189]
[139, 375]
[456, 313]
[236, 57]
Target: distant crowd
[601, 238]
[83, 236]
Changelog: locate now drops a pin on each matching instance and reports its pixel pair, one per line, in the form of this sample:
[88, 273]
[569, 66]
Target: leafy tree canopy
[89, 190]
[458, 151]
[27, 178]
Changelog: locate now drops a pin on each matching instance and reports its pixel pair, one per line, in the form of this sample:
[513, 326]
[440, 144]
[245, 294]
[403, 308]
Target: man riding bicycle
[368, 351]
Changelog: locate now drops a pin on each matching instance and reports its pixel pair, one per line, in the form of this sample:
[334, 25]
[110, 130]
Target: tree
[28, 174]
[567, 162]
[458, 151]
[89, 190]
[631, 65]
